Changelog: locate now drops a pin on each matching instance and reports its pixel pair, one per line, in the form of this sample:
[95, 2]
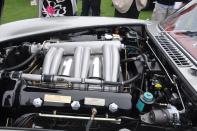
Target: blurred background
[23, 9]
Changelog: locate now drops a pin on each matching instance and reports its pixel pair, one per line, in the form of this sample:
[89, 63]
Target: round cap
[148, 97]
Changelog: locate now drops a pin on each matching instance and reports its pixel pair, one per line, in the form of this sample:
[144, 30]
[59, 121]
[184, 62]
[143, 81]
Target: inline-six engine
[111, 75]
[80, 76]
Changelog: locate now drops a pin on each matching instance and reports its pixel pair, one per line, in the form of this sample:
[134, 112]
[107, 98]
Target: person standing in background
[129, 9]
[55, 8]
[1, 7]
[74, 6]
[164, 8]
[94, 5]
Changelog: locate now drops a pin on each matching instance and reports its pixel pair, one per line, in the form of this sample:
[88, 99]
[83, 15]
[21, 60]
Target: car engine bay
[97, 78]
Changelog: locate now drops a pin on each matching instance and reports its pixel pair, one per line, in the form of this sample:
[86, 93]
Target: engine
[99, 78]
[80, 70]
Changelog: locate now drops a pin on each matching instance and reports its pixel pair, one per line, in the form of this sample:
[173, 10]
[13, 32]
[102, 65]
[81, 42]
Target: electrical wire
[32, 65]
[128, 118]
[23, 63]
[132, 79]
[89, 125]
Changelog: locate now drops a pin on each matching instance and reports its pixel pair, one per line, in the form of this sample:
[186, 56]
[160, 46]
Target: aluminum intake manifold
[92, 59]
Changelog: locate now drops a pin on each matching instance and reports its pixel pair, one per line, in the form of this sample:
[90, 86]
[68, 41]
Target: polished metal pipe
[31, 77]
[85, 62]
[115, 63]
[66, 66]
[95, 46]
[48, 60]
[114, 120]
[95, 71]
[56, 61]
[77, 61]
[96, 67]
[107, 62]
[111, 61]
[62, 79]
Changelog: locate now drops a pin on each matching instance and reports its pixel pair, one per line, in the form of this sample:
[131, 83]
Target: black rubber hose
[131, 80]
[143, 55]
[21, 64]
[89, 125]
[122, 83]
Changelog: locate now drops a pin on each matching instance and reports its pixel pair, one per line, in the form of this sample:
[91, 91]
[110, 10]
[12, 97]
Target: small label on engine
[94, 101]
[57, 98]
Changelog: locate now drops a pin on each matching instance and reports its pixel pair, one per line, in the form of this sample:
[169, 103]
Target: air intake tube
[48, 60]
[56, 61]
[111, 61]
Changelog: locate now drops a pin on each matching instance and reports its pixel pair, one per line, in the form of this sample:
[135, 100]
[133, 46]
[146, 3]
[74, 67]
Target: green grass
[145, 15]
[17, 10]
[21, 9]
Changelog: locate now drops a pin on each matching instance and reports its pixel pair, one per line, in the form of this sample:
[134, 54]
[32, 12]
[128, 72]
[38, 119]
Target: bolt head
[37, 102]
[113, 107]
[75, 105]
